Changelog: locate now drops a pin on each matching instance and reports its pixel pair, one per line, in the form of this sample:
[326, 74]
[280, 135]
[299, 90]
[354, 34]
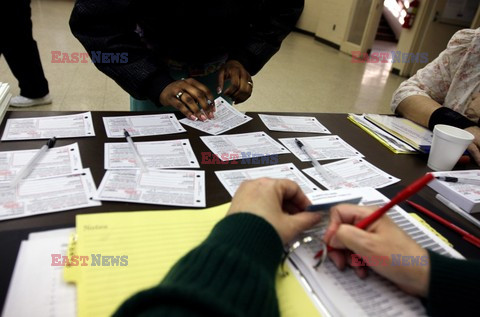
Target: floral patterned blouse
[452, 78]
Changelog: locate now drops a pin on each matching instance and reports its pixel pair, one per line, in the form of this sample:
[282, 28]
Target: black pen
[459, 180]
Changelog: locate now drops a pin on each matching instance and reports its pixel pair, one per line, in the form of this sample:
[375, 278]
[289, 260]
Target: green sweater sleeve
[232, 273]
[454, 286]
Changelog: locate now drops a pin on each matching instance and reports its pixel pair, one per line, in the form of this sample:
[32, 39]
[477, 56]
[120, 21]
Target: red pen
[401, 196]
[467, 236]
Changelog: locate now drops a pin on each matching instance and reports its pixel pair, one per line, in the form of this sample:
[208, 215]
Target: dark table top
[406, 167]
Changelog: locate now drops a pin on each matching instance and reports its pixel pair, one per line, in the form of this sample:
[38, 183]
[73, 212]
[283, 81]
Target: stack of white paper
[5, 96]
[464, 195]
[37, 288]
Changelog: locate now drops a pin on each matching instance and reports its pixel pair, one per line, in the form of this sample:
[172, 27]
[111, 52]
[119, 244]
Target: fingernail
[203, 118]
[193, 118]
[219, 90]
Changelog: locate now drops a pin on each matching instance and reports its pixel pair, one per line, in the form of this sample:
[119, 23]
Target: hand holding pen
[401, 196]
[382, 239]
[27, 169]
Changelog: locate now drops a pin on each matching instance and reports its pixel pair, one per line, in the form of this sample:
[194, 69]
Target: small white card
[46, 195]
[232, 179]
[142, 125]
[57, 161]
[155, 155]
[157, 187]
[293, 124]
[354, 172]
[68, 126]
[226, 118]
[244, 145]
[328, 147]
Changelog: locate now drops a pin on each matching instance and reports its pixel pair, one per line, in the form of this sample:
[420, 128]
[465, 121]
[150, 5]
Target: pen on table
[458, 210]
[319, 168]
[138, 158]
[459, 180]
[465, 235]
[401, 196]
[27, 169]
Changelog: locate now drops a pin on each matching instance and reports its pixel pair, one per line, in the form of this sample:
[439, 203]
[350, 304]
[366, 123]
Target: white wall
[309, 19]
[326, 18]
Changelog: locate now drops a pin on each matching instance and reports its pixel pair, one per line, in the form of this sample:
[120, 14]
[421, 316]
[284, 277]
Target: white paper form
[232, 179]
[68, 126]
[245, 145]
[322, 148]
[226, 118]
[158, 187]
[40, 196]
[342, 292]
[293, 124]
[57, 161]
[354, 172]
[142, 125]
[37, 288]
[156, 155]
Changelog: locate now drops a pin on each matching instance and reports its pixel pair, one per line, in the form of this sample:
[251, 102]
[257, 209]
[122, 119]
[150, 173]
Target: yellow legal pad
[153, 242]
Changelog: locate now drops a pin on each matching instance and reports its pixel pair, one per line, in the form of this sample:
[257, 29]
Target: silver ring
[179, 95]
[250, 83]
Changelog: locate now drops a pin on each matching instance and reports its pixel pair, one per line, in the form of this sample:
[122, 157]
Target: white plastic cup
[448, 144]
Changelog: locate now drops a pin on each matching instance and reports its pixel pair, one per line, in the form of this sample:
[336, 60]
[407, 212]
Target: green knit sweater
[232, 273]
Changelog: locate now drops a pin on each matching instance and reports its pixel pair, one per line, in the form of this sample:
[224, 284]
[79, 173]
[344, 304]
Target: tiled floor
[305, 76]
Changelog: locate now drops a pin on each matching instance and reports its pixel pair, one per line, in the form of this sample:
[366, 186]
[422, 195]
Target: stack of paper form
[5, 96]
[395, 145]
[465, 196]
[37, 288]
[406, 130]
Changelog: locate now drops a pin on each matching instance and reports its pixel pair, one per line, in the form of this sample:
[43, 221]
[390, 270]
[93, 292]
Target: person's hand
[381, 240]
[473, 108]
[190, 97]
[241, 84]
[474, 147]
[281, 202]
